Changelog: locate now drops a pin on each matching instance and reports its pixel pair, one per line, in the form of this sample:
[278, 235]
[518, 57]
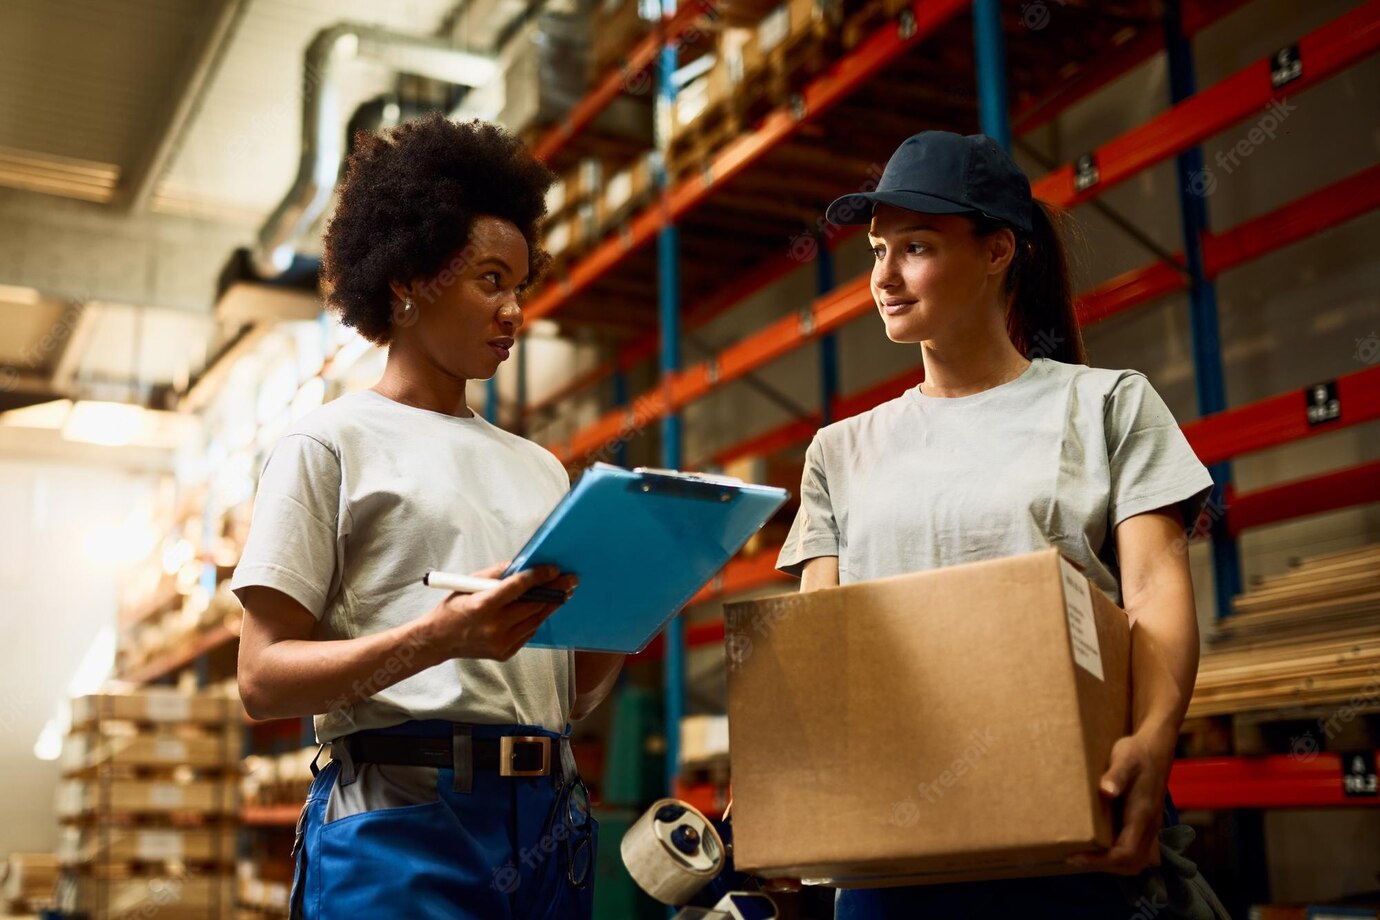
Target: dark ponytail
[1040, 316]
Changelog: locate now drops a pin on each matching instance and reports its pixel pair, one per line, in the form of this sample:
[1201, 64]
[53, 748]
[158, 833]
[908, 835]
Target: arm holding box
[1158, 594]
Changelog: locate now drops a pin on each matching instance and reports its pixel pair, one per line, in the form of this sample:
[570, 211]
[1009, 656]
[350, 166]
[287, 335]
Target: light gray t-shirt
[1057, 457]
[365, 496]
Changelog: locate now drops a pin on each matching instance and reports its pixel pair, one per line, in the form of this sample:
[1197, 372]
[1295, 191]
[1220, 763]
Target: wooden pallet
[139, 802]
[694, 147]
[1297, 668]
[1299, 731]
[112, 845]
[152, 754]
[154, 708]
[186, 895]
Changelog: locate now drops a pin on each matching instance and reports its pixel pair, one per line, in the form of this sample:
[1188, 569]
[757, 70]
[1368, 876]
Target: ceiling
[141, 141]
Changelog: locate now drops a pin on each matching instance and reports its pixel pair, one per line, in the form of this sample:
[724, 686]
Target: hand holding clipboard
[642, 542]
[493, 618]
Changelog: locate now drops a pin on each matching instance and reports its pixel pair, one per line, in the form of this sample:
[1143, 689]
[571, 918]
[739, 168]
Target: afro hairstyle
[408, 205]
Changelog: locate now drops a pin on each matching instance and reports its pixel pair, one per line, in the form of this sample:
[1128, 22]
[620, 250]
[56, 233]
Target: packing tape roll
[672, 851]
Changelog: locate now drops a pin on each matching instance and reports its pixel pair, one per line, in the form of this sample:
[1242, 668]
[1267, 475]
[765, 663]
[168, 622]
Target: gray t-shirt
[366, 495]
[1057, 457]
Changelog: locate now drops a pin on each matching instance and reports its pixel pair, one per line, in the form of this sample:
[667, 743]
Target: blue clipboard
[642, 542]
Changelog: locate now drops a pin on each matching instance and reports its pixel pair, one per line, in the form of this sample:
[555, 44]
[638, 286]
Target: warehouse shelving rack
[1218, 436]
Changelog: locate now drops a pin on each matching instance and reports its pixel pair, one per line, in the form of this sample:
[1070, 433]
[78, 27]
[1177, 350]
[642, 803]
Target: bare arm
[595, 675]
[1157, 591]
[284, 673]
[820, 572]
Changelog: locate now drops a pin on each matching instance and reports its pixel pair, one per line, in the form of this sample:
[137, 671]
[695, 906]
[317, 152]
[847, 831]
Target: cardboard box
[703, 740]
[941, 726]
[625, 193]
[740, 53]
[85, 750]
[153, 705]
[193, 896]
[78, 846]
[618, 27]
[133, 796]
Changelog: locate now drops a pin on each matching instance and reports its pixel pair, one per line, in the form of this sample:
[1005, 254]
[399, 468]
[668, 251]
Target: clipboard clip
[701, 486]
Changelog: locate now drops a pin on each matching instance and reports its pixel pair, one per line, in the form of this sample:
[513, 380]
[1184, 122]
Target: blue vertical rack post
[668, 299]
[828, 346]
[620, 399]
[989, 47]
[491, 399]
[522, 384]
[1202, 308]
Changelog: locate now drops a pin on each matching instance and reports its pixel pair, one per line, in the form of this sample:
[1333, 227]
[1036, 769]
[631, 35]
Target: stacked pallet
[178, 625]
[1302, 647]
[282, 779]
[149, 805]
[28, 882]
[262, 899]
[590, 201]
[750, 72]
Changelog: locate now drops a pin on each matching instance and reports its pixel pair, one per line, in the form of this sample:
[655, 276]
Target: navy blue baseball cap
[939, 172]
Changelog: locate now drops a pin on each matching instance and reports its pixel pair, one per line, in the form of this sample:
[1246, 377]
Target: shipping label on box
[1082, 623]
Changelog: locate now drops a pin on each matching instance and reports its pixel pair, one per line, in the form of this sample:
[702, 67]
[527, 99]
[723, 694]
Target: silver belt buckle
[507, 749]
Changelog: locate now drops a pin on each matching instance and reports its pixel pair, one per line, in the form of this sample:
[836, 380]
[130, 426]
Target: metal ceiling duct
[323, 141]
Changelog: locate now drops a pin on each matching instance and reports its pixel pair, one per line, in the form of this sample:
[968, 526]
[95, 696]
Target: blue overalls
[510, 847]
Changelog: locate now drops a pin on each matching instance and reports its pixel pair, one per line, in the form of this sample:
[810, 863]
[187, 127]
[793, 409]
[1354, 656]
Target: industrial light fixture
[108, 424]
[50, 415]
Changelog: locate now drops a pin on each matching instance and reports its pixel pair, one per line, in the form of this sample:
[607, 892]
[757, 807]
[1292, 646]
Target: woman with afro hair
[451, 791]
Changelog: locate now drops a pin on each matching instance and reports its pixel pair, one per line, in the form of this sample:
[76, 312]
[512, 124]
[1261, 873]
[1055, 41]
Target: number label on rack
[1085, 172]
[1321, 403]
[1285, 66]
[1358, 774]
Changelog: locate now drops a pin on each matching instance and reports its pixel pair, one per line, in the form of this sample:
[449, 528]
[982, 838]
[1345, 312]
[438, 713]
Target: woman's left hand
[1138, 775]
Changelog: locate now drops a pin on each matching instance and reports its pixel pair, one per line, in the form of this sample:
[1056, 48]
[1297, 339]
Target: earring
[408, 305]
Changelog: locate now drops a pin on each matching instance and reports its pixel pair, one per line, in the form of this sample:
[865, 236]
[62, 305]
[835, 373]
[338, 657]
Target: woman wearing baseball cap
[1010, 445]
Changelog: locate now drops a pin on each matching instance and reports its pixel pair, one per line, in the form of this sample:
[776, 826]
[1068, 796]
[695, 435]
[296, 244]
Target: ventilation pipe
[323, 143]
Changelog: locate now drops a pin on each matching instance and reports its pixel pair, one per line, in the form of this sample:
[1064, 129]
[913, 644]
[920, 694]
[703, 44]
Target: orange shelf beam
[212, 639]
[1327, 51]
[621, 79]
[820, 94]
[270, 815]
[1333, 204]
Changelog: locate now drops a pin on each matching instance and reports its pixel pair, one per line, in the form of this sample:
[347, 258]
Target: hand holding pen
[489, 616]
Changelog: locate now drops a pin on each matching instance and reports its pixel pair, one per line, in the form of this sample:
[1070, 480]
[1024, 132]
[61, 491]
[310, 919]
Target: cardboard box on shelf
[740, 53]
[625, 192]
[932, 727]
[703, 740]
[153, 705]
[29, 879]
[135, 796]
[167, 897]
[107, 845]
[87, 750]
[618, 26]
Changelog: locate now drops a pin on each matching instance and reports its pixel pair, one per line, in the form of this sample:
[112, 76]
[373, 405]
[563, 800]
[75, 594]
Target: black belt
[510, 755]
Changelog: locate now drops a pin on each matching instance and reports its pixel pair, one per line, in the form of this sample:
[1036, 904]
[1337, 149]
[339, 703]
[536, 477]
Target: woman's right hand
[494, 624]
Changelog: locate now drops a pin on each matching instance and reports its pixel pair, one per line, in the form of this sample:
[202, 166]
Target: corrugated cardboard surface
[928, 723]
